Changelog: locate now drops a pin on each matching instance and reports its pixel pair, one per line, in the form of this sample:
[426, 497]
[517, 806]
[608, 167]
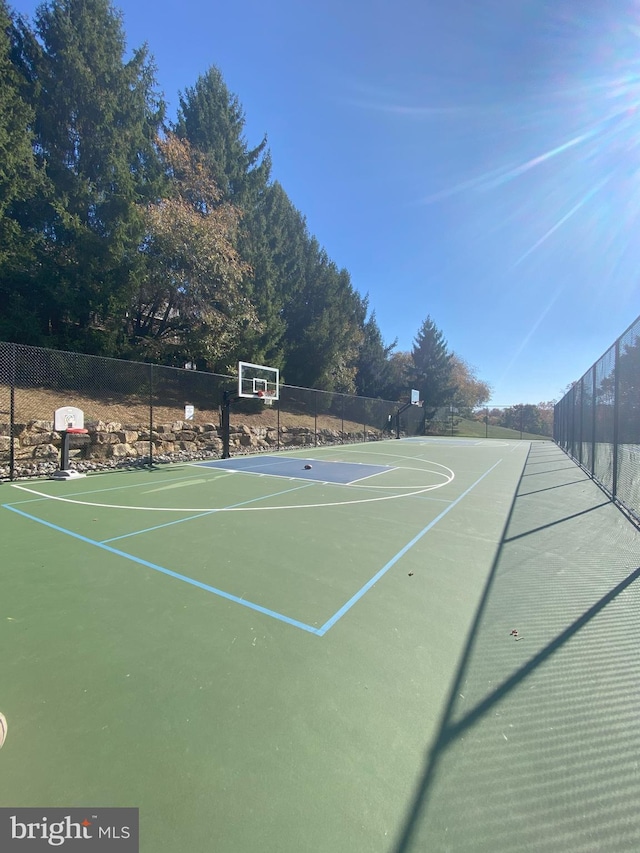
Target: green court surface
[322, 659]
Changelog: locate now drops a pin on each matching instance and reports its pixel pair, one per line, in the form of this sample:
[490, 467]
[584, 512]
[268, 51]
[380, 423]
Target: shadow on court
[538, 745]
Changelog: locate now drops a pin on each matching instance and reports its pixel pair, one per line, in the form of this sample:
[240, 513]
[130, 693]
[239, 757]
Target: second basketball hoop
[258, 381]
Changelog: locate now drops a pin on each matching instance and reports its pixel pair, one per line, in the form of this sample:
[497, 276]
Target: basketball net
[266, 398]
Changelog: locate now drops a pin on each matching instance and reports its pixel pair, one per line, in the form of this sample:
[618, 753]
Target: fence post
[226, 423]
[573, 421]
[315, 418]
[616, 416]
[12, 411]
[593, 426]
[580, 432]
[342, 432]
[151, 416]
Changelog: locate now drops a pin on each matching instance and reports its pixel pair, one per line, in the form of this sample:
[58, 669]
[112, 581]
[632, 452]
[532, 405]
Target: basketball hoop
[69, 422]
[258, 381]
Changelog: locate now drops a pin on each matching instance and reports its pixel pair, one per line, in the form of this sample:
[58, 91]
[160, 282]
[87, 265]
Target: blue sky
[477, 161]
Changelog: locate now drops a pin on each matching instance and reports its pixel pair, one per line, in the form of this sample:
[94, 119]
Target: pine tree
[400, 376]
[309, 317]
[325, 317]
[20, 181]
[97, 118]
[213, 121]
[273, 239]
[374, 368]
[211, 118]
[432, 366]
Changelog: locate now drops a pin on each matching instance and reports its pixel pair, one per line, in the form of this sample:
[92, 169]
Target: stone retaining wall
[109, 444]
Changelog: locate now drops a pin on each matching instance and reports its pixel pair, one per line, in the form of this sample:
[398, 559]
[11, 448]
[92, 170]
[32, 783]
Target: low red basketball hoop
[68, 421]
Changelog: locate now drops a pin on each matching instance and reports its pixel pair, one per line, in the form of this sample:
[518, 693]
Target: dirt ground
[40, 404]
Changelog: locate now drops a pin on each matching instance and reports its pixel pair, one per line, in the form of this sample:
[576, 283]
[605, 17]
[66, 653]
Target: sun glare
[572, 150]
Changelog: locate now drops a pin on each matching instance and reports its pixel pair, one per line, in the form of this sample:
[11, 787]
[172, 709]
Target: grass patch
[470, 428]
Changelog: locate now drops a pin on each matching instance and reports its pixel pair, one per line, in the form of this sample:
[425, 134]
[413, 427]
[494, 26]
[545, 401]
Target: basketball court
[315, 650]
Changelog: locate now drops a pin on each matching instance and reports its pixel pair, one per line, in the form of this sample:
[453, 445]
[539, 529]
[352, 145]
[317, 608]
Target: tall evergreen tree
[211, 118]
[310, 319]
[97, 118]
[20, 181]
[432, 366]
[374, 378]
[274, 241]
[17, 164]
[213, 121]
[400, 376]
[324, 318]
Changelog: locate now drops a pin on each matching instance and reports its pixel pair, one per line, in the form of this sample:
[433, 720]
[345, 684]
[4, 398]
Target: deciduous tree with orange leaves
[192, 304]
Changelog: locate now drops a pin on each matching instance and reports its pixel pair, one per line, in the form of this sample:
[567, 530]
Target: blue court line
[355, 598]
[236, 600]
[203, 514]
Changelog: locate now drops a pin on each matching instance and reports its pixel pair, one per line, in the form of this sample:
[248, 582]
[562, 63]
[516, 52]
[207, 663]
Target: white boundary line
[420, 491]
[448, 478]
[369, 476]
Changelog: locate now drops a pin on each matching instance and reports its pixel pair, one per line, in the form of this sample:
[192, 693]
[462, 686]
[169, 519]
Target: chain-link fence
[521, 421]
[598, 421]
[138, 413]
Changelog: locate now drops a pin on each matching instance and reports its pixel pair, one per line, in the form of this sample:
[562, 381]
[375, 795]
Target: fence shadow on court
[538, 745]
